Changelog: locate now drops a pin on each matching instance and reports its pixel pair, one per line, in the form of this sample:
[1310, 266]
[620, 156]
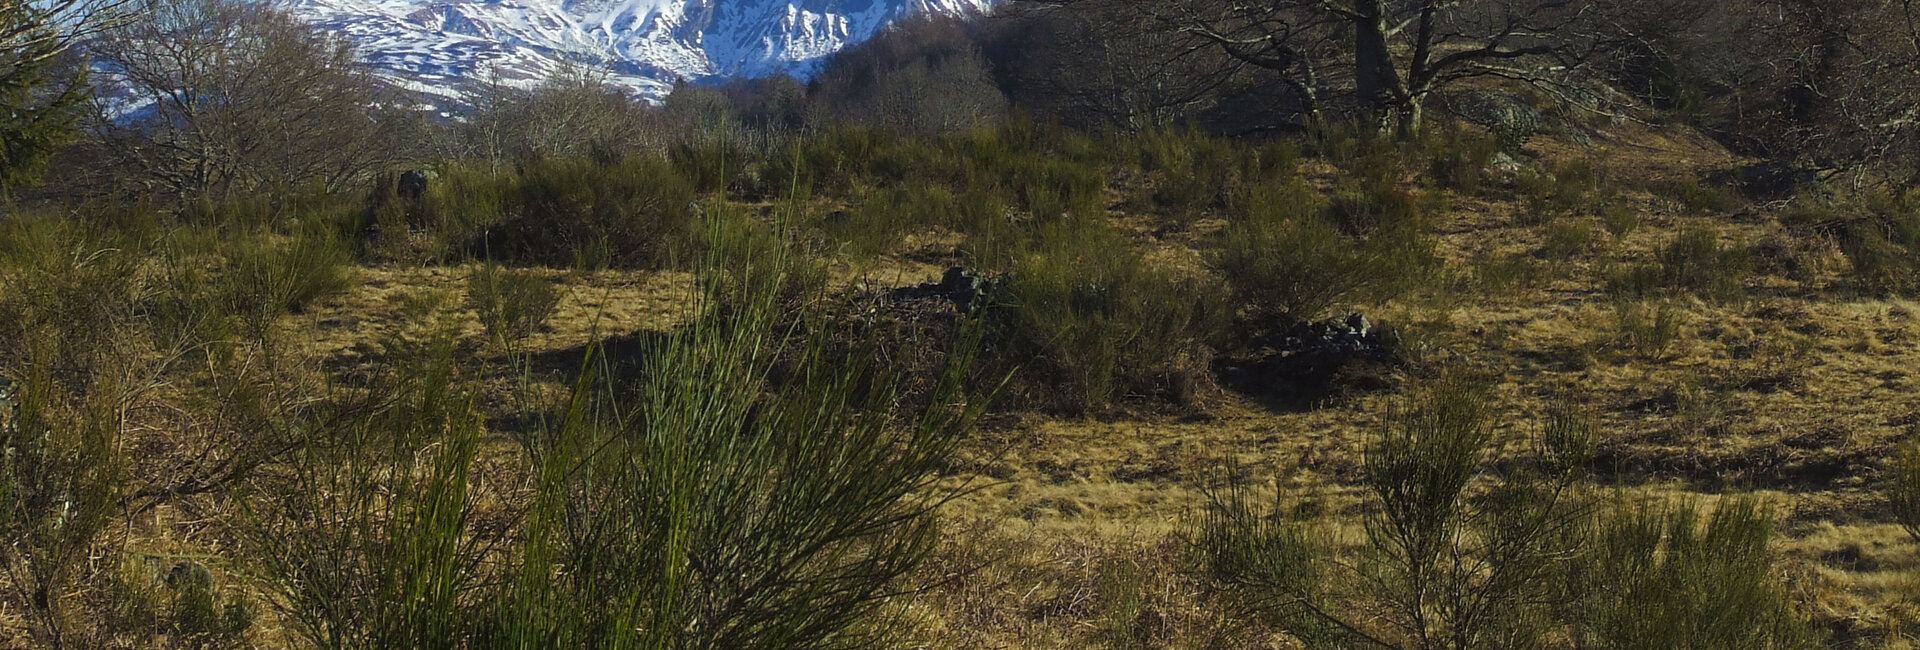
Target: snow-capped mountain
[443, 48]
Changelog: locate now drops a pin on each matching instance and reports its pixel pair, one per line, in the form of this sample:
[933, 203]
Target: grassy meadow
[708, 395]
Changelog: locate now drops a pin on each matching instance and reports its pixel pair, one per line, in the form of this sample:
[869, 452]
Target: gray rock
[1511, 119]
[966, 288]
[1350, 336]
[1505, 164]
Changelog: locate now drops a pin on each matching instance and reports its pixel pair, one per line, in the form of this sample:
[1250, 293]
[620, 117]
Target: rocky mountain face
[446, 49]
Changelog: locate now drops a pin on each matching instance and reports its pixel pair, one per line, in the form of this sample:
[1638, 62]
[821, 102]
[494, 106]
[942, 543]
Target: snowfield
[445, 49]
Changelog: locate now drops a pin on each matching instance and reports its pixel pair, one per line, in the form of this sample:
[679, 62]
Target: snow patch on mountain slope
[448, 49]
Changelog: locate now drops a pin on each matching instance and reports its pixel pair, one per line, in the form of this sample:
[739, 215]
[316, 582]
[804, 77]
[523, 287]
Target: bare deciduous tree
[1852, 100]
[1386, 57]
[48, 27]
[922, 75]
[1098, 64]
[1828, 85]
[232, 96]
[572, 113]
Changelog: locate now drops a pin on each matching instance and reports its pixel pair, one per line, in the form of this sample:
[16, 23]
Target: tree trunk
[1410, 114]
[1376, 81]
[1310, 88]
[1420, 72]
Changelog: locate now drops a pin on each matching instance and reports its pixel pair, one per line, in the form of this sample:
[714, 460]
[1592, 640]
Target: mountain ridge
[447, 49]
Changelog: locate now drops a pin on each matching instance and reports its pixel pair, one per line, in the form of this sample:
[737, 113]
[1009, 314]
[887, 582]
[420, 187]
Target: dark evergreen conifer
[37, 100]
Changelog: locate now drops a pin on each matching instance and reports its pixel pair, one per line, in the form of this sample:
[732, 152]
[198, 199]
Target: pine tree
[36, 103]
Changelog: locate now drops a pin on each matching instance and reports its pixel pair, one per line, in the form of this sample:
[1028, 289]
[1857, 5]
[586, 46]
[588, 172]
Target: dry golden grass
[1068, 535]
[1798, 392]
[392, 301]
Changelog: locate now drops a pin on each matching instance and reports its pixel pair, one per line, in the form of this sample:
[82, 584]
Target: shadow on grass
[620, 357]
[1303, 381]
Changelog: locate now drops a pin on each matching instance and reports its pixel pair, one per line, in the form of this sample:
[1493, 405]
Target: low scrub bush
[980, 182]
[155, 601]
[1359, 147]
[1192, 172]
[1646, 328]
[1049, 188]
[1903, 490]
[77, 367]
[1880, 241]
[201, 616]
[1089, 322]
[1496, 274]
[753, 486]
[1561, 189]
[66, 289]
[750, 254]
[1879, 265]
[1272, 161]
[364, 537]
[1285, 262]
[879, 221]
[1292, 271]
[1621, 219]
[444, 224]
[269, 275]
[511, 304]
[1694, 197]
[883, 216]
[594, 215]
[717, 165]
[1029, 166]
[140, 366]
[1566, 240]
[732, 501]
[631, 213]
[1455, 556]
[1680, 576]
[1457, 159]
[1462, 552]
[1364, 208]
[63, 478]
[833, 161]
[1694, 261]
